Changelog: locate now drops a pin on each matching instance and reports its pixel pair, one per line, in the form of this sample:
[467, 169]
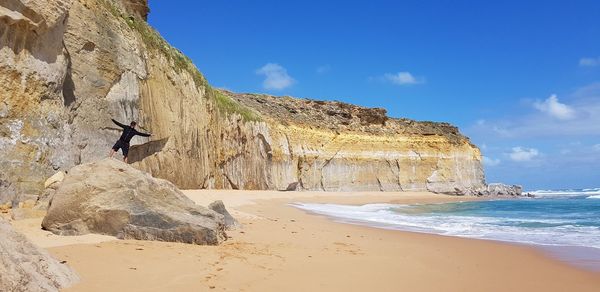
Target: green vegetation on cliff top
[153, 40]
[229, 106]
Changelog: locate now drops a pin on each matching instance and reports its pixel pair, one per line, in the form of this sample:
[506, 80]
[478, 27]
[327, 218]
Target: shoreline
[581, 257]
[281, 244]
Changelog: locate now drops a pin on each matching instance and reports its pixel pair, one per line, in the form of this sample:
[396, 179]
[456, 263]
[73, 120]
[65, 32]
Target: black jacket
[128, 132]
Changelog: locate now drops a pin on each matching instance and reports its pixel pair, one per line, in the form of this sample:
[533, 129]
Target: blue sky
[521, 78]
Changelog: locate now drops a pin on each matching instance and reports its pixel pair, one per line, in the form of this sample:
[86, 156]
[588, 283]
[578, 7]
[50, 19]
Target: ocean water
[565, 222]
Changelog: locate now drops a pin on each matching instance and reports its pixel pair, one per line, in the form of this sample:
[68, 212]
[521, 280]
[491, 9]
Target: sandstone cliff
[68, 66]
[335, 146]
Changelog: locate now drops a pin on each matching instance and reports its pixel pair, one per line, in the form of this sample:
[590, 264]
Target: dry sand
[281, 248]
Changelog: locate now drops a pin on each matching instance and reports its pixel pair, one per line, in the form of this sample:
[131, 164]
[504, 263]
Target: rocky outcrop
[68, 66]
[498, 189]
[113, 198]
[33, 65]
[219, 207]
[25, 267]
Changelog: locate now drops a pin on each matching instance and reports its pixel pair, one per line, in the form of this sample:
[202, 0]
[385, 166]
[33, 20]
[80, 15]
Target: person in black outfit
[123, 142]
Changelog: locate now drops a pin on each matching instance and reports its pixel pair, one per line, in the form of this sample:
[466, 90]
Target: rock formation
[219, 207]
[50, 187]
[68, 66]
[498, 189]
[25, 267]
[55, 180]
[113, 198]
[334, 146]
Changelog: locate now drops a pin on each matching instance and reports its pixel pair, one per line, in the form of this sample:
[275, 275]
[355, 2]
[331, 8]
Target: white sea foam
[566, 193]
[523, 230]
[594, 197]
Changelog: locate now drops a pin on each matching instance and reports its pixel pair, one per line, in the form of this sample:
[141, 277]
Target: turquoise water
[555, 220]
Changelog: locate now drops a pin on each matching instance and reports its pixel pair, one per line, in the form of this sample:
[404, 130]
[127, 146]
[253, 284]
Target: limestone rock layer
[68, 66]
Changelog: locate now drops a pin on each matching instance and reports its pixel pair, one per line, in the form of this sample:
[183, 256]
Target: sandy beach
[281, 248]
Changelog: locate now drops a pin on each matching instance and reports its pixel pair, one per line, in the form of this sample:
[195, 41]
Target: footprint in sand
[347, 248]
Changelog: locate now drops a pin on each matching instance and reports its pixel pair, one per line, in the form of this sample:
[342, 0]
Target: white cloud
[402, 78]
[596, 147]
[520, 154]
[586, 121]
[554, 108]
[276, 77]
[487, 161]
[323, 69]
[589, 62]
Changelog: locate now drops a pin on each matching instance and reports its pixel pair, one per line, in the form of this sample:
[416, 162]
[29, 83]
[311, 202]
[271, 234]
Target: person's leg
[125, 150]
[114, 149]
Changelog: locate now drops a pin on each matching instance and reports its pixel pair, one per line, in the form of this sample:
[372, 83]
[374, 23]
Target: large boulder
[113, 198]
[25, 267]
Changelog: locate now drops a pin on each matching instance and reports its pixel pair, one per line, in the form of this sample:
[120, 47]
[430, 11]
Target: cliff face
[33, 65]
[335, 146]
[68, 66]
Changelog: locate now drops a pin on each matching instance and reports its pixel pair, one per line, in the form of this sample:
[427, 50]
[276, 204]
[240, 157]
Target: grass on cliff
[154, 41]
[228, 105]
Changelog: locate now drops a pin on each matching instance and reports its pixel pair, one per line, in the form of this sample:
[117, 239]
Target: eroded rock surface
[110, 197]
[25, 267]
[335, 146]
[68, 66]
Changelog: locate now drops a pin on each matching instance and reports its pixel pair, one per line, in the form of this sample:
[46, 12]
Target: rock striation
[335, 146]
[110, 197]
[68, 66]
[25, 267]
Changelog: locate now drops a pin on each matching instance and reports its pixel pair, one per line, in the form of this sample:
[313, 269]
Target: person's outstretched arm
[142, 134]
[119, 124]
